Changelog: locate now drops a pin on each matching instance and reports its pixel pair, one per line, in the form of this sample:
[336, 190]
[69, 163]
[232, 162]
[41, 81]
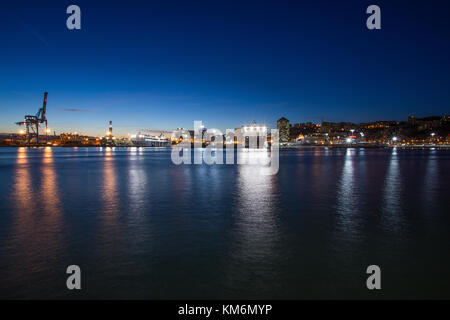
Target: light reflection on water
[36, 224]
[23, 195]
[110, 193]
[256, 226]
[143, 227]
[137, 186]
[348, 193]
[430, 184]
[392, 206]
[49, 194]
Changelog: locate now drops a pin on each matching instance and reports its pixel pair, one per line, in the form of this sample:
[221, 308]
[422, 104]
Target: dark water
[141, 227]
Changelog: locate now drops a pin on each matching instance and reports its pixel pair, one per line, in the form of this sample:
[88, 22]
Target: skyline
[162, 66]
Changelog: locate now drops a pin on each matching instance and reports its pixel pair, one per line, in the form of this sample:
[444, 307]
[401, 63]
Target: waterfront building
[314, 139]
[283, 127]
[254, 135]
[412, 120]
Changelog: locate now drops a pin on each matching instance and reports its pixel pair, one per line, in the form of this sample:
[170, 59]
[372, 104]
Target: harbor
[429, 132]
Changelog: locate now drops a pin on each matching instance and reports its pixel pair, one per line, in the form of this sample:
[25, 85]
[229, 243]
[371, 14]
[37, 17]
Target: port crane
[32, 123]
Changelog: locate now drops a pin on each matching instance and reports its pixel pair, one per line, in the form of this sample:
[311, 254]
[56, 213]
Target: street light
[394, 139]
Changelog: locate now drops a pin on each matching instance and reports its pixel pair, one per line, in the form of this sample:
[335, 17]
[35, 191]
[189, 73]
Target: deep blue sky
[163, 64]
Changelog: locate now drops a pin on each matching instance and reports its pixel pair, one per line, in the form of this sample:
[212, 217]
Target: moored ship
[146, 140]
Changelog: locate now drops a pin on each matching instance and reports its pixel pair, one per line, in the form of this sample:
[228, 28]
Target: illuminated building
[283, 127]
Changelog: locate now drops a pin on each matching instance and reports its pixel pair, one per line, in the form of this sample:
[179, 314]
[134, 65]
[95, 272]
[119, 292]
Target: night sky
[164, 64]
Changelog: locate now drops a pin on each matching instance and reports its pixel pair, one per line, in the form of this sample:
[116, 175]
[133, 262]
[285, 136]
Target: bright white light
[349, 140]
[433, 134]
[394, 139]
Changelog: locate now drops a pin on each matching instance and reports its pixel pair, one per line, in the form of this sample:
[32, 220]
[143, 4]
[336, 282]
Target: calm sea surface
[142, 227]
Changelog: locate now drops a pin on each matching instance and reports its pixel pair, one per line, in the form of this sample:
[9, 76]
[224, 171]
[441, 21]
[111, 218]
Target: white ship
[146, 140]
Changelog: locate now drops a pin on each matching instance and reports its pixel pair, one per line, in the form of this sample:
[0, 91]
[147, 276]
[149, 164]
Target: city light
[394, 139]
